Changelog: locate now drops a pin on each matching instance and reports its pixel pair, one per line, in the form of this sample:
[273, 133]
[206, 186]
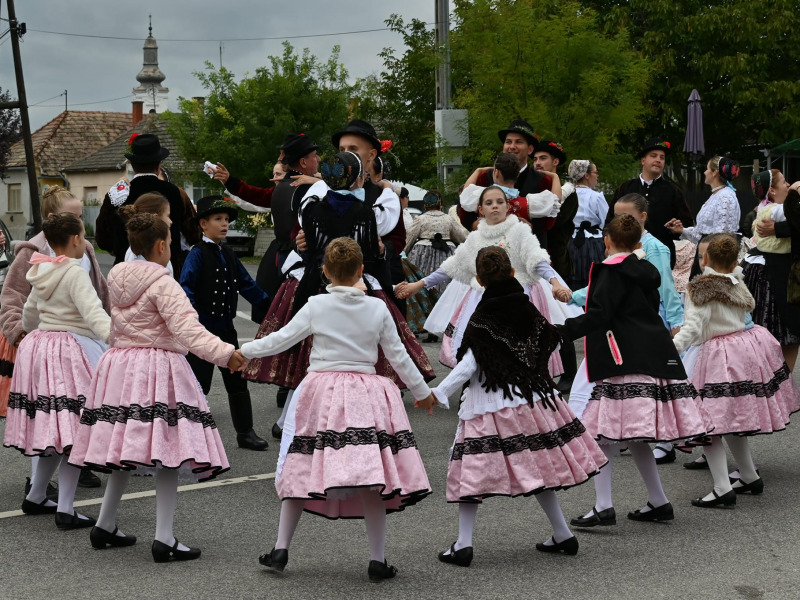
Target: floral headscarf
[578, 168]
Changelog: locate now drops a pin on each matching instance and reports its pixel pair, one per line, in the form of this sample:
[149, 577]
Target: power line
[38, 103]
[79, 103]
[215, 40]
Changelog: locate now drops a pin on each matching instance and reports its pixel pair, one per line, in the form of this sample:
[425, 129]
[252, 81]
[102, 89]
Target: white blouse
[592, 207]
[719, 214]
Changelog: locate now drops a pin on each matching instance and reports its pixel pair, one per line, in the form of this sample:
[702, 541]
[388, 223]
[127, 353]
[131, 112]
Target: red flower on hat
[386, 145]
[556, 145]
[133, 137]
[667, 144]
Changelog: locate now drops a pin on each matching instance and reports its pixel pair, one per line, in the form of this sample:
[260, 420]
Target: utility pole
[66, 103]
[17, 31]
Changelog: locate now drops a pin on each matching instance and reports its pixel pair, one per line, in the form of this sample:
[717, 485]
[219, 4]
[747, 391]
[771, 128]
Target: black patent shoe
[87, 479]
[51, 493]
[568, 546]
[277, 432]
[696, 465]
[727, 500]
[250, 441]
[66, 521]
[604, 518]
[661, 513]
[100, 538]
[163, 553]
[31, 508]
[754, 487]
[462, 558]
[378, 571]
[669, 457]
[275, 559]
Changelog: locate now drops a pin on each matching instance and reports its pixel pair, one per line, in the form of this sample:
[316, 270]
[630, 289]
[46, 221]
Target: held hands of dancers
[675, 226]
[405, 290]
[300, 241]
[237, 361]
[305, 180]
[426, 403]
[560, 292]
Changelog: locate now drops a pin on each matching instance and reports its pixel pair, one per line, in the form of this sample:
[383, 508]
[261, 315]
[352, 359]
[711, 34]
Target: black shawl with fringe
[512, 343]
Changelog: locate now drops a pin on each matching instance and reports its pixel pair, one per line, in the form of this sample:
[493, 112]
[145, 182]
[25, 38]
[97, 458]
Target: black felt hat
[216, 204]
[146, 149]
[296, 146]
[521, 127]
[655, 143]
[358, 127]
[554, 149]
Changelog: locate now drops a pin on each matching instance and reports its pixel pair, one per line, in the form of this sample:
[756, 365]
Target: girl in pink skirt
[515, 436]
[746, 386]
[53, 374]
[641, 393]
[145, 411]
[347, 449]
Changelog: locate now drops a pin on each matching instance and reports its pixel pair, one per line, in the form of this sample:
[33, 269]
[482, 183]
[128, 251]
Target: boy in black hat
[665, 198]
[213, 277]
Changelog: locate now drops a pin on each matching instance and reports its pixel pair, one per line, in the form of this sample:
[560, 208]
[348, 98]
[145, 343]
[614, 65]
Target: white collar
[209, 240]
[735, 276]
[523, 168]
[645, 182]
[346, 293]
[144, 175]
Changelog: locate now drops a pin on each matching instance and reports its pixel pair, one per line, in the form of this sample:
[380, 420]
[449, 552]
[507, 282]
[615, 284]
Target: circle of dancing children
[516, 436]
[531, 264]
[68, 329]
[145, 412]
[16, 289]
[334, 207]
[746, 385]
[347, 449]
[641, 393]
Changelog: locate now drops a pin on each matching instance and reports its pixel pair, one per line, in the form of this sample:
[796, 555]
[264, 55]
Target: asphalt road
[749, 553]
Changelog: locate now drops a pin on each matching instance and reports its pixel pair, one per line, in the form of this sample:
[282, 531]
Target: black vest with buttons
[217, 293]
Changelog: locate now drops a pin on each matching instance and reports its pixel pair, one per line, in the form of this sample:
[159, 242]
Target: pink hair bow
[39, 258]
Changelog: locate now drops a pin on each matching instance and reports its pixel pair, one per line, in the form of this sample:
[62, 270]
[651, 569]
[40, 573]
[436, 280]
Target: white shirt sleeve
[387, 211]
[543, 204]
[469, 197]
[88, 304]
[296, 330]
[455, 379]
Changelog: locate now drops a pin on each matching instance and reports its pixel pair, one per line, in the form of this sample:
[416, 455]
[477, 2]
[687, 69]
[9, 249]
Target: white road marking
[243, 315]
[183, 488]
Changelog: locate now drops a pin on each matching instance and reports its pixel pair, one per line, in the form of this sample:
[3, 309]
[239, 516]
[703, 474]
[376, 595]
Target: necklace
[716, 189]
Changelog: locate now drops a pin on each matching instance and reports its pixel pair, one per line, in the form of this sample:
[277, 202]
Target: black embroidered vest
[217, 292]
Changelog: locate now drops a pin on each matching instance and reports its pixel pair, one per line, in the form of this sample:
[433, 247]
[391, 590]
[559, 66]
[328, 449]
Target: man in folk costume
[664, 197]
[547, 158]
[520, 140]
[360, 138]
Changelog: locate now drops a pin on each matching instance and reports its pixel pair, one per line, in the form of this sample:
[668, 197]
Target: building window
[198, 191]
[15, 197]
[90, 196]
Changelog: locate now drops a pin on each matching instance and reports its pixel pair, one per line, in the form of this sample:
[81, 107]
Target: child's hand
[303, 180]
[237, 361]
[561, 293]
[675, 226]
[426, 403]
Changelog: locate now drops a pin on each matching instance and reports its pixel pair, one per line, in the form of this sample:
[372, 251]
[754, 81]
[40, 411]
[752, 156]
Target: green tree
[550, 63]
[10, 129]
[400, 101]
[741, 56]
[241, 123]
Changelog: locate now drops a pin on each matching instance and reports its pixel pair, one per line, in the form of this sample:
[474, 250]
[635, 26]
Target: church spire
[150, 90]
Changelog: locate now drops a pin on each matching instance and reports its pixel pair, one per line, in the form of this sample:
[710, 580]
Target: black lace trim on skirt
[353, 436]
[147, 414]
[736, 389]
[519, 443]
[660, 393]
[45, 404]
[6, 368]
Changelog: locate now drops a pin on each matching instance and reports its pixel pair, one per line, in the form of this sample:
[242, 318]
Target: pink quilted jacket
[149, 309]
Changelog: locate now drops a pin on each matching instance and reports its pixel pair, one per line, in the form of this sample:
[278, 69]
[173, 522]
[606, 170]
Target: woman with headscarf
[433, 236]
[586, 246]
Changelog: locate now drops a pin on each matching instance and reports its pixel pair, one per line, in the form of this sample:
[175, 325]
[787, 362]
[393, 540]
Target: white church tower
[150, 92]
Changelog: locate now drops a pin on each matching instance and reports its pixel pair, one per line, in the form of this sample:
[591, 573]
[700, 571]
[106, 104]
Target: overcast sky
[94, 70]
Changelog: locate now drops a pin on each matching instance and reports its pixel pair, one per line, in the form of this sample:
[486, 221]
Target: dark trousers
[569, 360]
[235, 384]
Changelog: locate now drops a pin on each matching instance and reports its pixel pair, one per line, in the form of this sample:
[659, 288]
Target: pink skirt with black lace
[288, 368]
[52, 379]
[745, 384]
[351, 432]
[646, 409]
[521, 451]
[147, 411]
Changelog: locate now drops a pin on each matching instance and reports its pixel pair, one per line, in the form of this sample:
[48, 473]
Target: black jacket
[624, 332]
